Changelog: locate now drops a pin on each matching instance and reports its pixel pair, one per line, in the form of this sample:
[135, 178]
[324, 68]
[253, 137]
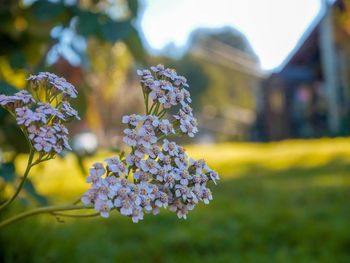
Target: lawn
[277, 202]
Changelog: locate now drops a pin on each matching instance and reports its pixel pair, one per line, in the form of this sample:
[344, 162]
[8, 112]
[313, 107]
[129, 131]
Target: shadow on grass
[263, 215]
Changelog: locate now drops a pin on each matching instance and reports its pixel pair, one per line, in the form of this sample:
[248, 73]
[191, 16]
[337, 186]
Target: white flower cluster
[156, 173]
[42, 118]
[168, 89]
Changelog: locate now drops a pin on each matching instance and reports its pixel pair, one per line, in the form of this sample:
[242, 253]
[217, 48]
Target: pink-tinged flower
[142, 176]
[133, 160]
[41, 145]
[206, 195]
[126, 207]
[130, 137]
[161, 174]
[170, 73]
[146, 204]
[180, 209]
[214, 176]
[150, 123]
[166, 127]
[170, 147]
[145, 73]
[161, 200]
[104, 207]
[165, 161]
[25, 116]
[63, 86]
[132, 119]
[19, 99]
[183, 176]
[69, 111]
[153, 151]
[33, 131]
[24, 96]
[45, 111]
[181, 161]
[146, 129]
[180, 81]
[147, 140]
[97, 170]
[140, 151]
[197, 165]
[149, 165]
[182, 191]
[188, 128]
[115, 165]
[158, 68]
[137, 215]
[169, 180]
[59, 84]
[89, 196]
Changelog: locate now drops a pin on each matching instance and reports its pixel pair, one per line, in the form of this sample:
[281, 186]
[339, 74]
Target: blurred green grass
[276, 202]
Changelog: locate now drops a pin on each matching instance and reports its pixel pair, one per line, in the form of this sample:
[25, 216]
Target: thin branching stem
[151, 109]
[23, 179]
[42, 210]
[75, 215]
[162, 113]
[156, 109]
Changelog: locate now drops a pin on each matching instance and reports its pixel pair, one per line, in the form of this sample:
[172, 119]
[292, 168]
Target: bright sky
[273, 27]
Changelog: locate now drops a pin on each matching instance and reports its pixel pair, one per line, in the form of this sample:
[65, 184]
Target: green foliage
[7, 171]
[281, 202]
[25, 36]
[29, 188]
[11, 136]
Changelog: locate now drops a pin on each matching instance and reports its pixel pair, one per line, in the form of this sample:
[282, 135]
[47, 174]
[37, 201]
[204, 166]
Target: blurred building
[309, 96]
[225, 103]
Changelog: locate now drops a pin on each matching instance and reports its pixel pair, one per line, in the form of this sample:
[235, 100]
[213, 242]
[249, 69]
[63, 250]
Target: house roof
[307, 41]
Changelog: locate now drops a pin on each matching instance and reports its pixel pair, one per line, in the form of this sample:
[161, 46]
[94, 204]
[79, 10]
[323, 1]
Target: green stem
[150, 110]
[75, 215]
[19, 188]
[169, 135]
[156, 109]
[41, 210]
[146, 103]
[162, 113]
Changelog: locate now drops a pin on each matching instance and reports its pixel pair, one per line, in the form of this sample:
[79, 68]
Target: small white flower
[131, 137]
[115, 165]
[137, 215]
[104, 207]
[170, 147]
[97, 170]
[132, 119]
[25, 116]
[149, 165]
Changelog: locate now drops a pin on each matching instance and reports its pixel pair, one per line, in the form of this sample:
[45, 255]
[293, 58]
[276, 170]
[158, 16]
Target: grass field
[278, 202]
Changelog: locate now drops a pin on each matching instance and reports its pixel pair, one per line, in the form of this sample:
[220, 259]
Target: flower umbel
[42, 112]
[156, 173]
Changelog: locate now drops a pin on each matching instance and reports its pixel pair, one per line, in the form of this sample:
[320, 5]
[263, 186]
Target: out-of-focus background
[270, 82]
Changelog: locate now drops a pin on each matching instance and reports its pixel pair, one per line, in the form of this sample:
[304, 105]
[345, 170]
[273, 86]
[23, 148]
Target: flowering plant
[155, 173]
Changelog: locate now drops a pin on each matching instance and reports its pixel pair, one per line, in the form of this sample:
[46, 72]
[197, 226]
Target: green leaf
[134, 43]
[45, 10]
[113, 31]
[133, 7]
[7, 171]
[30, 189]
[6, 88]
[88, 24]
[17, 60]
